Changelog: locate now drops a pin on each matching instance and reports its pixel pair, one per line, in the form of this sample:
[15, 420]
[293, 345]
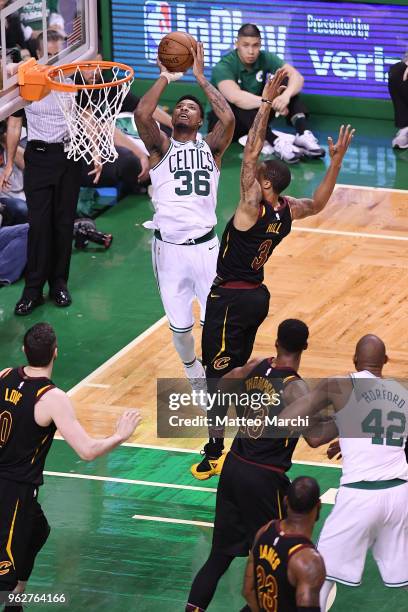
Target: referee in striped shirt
[51, 185]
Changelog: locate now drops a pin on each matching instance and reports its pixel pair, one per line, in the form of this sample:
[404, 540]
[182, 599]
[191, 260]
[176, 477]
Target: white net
[91, 113]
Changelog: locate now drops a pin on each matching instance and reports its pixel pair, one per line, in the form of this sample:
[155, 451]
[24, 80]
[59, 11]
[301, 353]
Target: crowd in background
[129, 174]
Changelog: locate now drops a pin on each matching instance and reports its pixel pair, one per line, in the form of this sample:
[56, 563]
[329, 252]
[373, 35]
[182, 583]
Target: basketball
[174, 51]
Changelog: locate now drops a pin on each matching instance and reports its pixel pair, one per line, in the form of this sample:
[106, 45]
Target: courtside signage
[341, 48]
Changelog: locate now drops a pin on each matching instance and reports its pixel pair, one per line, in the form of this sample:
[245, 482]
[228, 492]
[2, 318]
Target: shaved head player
[371, 509]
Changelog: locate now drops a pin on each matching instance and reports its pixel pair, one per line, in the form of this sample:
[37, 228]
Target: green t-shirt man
[241, 76]
[251, 79]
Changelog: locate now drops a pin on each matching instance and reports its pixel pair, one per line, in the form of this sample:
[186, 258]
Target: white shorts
[183, 273]
[362, 519]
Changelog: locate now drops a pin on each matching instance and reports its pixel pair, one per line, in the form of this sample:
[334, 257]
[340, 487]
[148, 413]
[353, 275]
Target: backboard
[66, 28]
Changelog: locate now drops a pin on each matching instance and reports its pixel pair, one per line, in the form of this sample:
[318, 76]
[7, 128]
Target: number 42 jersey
[243, 254]
[185, 184]
[373, 428]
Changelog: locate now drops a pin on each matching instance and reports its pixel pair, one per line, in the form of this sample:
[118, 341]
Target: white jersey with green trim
[376, 412]
[185, 184]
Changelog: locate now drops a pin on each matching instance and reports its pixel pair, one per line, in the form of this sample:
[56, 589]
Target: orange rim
[52, 72]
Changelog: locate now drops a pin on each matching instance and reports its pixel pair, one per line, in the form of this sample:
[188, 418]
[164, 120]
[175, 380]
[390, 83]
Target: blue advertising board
[341, 48]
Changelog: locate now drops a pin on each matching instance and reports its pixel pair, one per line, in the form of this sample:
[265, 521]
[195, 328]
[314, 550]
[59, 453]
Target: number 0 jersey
[272, 552]
[373, 428]
[243, 254]
[23, 444]
[256, 443]
[185, 184]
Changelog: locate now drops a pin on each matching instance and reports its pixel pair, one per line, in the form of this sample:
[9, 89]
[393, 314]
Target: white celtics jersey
[185, 184]
[377, 412]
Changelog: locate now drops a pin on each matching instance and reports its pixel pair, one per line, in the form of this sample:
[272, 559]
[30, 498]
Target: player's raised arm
[221, 135]
[305, 207]
[156, 141]
[250, 188]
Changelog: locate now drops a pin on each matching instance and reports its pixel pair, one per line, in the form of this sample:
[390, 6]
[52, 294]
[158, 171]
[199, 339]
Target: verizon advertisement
[341, 48]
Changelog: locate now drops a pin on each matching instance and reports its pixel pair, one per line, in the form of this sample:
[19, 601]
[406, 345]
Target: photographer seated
[13, 248]
[240, 76]
[398, 88]
[12, 195]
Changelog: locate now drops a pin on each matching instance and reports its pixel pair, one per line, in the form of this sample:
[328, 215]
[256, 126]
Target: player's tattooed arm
[156, 142]
[221, 135]
[251, 193]
[301, 208]
[306, 572]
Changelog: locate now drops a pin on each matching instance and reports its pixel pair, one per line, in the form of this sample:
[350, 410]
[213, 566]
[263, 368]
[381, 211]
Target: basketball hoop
[90, 95]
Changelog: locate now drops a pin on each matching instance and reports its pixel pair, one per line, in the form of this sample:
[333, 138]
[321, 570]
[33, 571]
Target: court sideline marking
[145, 483]
[193, 451]
[318, 230]
[367, 188]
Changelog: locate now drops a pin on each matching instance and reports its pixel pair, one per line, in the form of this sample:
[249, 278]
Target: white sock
[195, 370]
[184, 345]
[328, 585]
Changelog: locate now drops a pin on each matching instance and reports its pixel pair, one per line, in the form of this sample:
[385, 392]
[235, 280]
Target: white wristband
[171, 76]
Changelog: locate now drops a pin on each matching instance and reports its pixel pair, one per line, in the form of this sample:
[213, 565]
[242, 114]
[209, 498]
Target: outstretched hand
[198, 55]
[273, 86]
[127, 423]
[337, 151]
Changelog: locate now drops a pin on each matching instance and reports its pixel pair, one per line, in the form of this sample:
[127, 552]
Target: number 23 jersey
[185, 184]
[243, 254]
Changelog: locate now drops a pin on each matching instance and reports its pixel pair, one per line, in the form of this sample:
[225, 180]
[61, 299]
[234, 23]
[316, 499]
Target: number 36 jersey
[185, 184]
[373, 427]
[243, 254]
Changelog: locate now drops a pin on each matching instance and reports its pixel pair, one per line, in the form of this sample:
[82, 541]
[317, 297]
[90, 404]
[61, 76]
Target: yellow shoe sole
[216, 467]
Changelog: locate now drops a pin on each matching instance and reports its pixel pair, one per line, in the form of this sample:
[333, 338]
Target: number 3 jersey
[23, 444]
[185, 184]
[243, 254]
[373, 427]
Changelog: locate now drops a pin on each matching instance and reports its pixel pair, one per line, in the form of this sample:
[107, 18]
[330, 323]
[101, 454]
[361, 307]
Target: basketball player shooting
[184, 172]
[239, 301]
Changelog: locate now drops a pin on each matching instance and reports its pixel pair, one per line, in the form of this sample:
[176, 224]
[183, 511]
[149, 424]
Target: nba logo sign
[157, 23]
